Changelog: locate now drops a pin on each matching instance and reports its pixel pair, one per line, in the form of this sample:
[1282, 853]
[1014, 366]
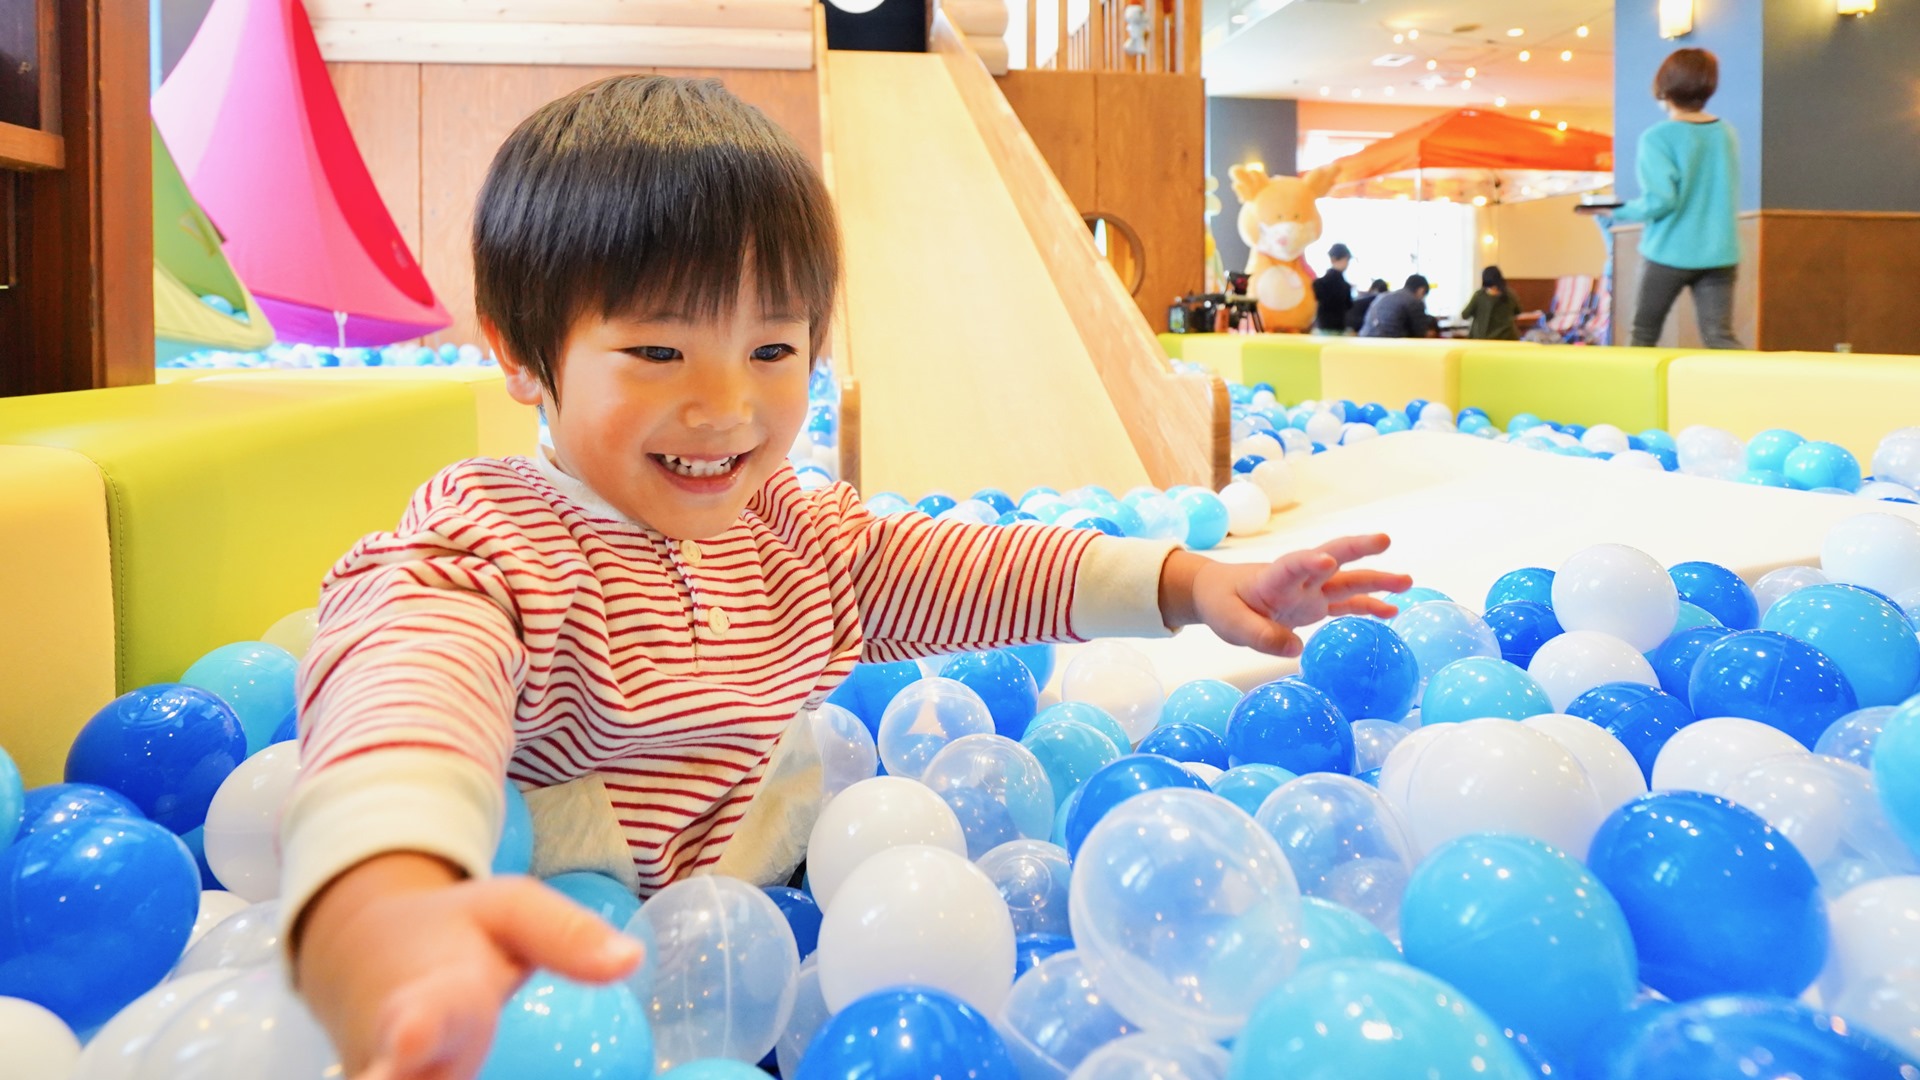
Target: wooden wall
[429, 131]
[1809, 280]
[1133, 147]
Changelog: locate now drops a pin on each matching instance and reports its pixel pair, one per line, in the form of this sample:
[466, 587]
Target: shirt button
[717, 620]
[690, 552]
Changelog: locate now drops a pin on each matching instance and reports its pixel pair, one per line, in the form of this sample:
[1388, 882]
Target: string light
[1566, 54]
[1525, 56]
[1534, 115]
[1388, 91]
[1432, 64]
[1516, 32]
[1325, 90]
[1500, 102]
[1479, 200]
[1473, 72]
[1582, 32]
[1466, 84]
[1399, 39]
[1563, 125]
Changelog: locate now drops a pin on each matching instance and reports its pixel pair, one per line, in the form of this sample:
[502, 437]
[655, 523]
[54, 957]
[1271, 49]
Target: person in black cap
[1400, 314]
[1333, 294]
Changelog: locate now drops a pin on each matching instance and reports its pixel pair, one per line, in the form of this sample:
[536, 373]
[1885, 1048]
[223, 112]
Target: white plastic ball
[1324, 428]
[215, 907]
[1616, 777]
[1248, 508]
[1888, 1007]
[920, 915]
[1830, 810]
[847, 753]
[1617, 590]
[1436, 412]
[1887, 489]
[1185, 912]
[1118, 679]
[1261, 444]
[1897, 458]
[1605, 439]
[250, 1025]
[1638, 459]
[243, 822]
[114, 1051]
[923, 718]
[870, 817]
[1709, 755]
[1276, 478]
[248, 938]
[1875, 934]
[1711, 452]
[996, 788]
[1492, 776]
[723, 965]
[856, 7]
[1207, 773]
[1358, 433]
[1880, 551]
[1775, 584]
[34, 1043]
[1575, 662]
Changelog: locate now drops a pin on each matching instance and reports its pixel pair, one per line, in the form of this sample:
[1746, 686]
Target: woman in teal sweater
[1689, 169]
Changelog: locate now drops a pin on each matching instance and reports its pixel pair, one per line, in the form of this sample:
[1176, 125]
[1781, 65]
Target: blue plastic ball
[288, 731]
[1186, 742]
[1039, 660]
[1533, 583]
[1768, 451]
[1330, 932]
[55, 805]
[557, 1027]
[13, 800]
[870, 688]
[166, 747]
[1524, 422]
[1363, 666]
[1018, 517]
[1657, 440]
[1669, 458]
[1246, 463]
[93, 913]
[1719, 591]
[1740, 1036]
[1118, 782]
[1822, 465]
[1030, 949]
[907, 1033]
[803, 915]
[1004, 683]
[1525, 932]
[1091, 715]
[598, 893]
[1206, 518]
[996, 498]
[1207, 702]
[1481, 687]
[1096, 523]
[1247, 786]
[936, 504]
[1293, 725]
[1641, 717]
[1763, 478]
[1766, 676]
[1718, 901]
[255, 679]
[1869, 639]
[514, 855]
[196, 841]
[1521, 627]
[1673, 661]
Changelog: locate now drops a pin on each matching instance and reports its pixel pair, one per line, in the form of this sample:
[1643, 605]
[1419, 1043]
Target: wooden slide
[988, 342]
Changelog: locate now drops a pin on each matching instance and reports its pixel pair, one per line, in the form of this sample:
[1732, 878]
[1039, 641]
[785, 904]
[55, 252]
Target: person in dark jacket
[1357, 315]
[1492, 312]
[1332, 293]
[1399, 314]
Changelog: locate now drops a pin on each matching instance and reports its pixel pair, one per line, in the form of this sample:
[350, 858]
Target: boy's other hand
[407, 967]
[1259, 606]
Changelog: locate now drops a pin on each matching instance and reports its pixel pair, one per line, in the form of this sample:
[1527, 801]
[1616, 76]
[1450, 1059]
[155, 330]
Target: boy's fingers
[1349, 548]
[1363, 605]
[1252, 630]
[542, 929]
[1357, 582]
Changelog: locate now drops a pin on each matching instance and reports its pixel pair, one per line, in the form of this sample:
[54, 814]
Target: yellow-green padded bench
[1853, 399]
[1289, 362]
[56, 605]
[228, 499]
[1573, 384]
[1174, 343]
[1393, 371]
[506, 427]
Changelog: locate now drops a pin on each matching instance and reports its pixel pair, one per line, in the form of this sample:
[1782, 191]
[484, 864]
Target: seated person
[1400, 314]
[1357, 314]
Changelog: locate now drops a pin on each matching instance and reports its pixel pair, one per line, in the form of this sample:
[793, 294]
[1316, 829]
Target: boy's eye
[774, 352]
[659, 354]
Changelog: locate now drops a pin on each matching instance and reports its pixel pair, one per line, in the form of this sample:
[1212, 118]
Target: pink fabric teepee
[253, 121]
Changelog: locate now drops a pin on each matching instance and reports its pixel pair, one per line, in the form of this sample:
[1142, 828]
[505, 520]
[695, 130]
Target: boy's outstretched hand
[1258, 605]
[407, 968]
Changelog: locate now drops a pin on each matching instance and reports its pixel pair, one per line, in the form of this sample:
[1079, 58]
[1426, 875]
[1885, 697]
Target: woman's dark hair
[1379, 285]
[647, 195]
[1492, 278]
[1687, 78]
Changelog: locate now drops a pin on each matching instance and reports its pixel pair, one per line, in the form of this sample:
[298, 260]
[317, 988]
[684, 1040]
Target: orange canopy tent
[1470, 153]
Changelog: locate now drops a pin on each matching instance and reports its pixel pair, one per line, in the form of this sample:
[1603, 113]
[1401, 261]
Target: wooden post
[1032, 30]
[80, 315]
[1060, 51]
[1188, 13]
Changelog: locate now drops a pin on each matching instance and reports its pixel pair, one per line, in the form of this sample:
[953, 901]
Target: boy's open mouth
[700, 468]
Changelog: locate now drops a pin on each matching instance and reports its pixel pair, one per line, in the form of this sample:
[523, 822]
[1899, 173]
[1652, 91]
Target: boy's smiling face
[676, 422]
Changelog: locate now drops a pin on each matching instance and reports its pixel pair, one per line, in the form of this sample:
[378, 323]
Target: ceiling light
[1325, 90]
[1485, 238]
[1466, 84]
[1388, 91]
[1393, 60]
[1516, 32]
[1534, 115]
[1563, 125]
[1356, 91]
[1471, 72]
[1500, 102]
[1566, 54]
[1525, 56]
[1676, 18]
[1855, 7]
[1399, 39]
[1431, 64]
[1481, 200]
[1413, 35]
[1583, 32]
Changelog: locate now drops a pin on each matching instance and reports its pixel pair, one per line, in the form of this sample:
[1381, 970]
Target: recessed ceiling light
[1583, 31]
[1356, 91]
[1516, 32]
[1534, 115]
[1525, 56]
[1466, 84]
[1432, 64]
[1471, 72]
[1238, 19]
[1500, 102]
[1413, 35]
[1388, 91]
[1481, 200]
[1399, 39]
[1325, 90]
[1566, 54]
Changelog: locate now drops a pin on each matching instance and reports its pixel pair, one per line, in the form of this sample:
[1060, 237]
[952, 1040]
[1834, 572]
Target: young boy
[627, 625]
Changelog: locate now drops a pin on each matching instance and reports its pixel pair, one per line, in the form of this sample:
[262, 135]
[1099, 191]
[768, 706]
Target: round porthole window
[1121, 247]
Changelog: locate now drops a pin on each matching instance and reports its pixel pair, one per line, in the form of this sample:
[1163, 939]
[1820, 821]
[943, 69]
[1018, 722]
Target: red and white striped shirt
[515, 624]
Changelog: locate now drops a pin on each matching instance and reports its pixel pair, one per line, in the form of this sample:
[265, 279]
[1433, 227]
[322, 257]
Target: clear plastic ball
[250, 1025]
[1898, 458]
[1150, 1055]
[870, 817]
[1119, 680]
[1575, 662]
[1831, 812]
[995, 787]
[1888, 1007]
[294, 632]
[1879, 551]
[1185, 912]
[1344, 843]
[847, 752]
[1054, 1017]
[1161, 519]
[923, 718]
[248, 938]
[723, 963]
[1033, 877]
[1490, 775]
[1852, 737]
[114, 1051]
[1619, 591]
[1440, 632]
[808, 1016]
[1775, 584]
[1373, 740]
[1707, 451]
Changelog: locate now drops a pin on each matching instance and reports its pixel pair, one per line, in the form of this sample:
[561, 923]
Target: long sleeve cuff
[1116, 591]
[425, 801]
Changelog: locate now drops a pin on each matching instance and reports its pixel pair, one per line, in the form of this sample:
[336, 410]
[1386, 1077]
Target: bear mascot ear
[1248, 180]
[1322, 180]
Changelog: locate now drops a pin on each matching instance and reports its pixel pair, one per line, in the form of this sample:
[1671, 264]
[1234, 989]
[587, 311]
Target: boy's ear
[523, 385]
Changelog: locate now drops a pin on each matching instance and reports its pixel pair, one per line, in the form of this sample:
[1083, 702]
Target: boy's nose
[720, 402]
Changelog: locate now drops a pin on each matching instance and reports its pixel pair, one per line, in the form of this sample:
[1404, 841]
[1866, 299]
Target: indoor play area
[1624, 786]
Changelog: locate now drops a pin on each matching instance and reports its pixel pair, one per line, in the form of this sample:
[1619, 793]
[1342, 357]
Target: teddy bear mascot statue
[1279, 218]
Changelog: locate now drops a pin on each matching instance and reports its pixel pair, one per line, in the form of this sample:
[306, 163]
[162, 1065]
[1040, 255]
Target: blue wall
[1843, 108]
[1735, 32]
[1240, 130]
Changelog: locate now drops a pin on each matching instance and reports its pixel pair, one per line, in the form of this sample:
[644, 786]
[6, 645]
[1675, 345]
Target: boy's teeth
[686, 467]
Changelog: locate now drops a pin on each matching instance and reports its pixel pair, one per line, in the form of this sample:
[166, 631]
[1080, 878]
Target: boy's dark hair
[1687, 78]
[1417, 283]
[647, 195]
[1379, 285]
[1339, 251]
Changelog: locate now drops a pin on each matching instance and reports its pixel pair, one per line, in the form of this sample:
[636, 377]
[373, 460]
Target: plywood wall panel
[1151, 156]
[1056, 107]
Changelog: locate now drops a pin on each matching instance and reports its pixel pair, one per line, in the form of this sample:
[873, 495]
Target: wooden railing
[1098, 38]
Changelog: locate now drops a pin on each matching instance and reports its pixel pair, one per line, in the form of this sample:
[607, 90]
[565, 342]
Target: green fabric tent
[187, 265]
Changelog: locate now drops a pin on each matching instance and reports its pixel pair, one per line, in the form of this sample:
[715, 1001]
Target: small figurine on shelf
[1138, 29]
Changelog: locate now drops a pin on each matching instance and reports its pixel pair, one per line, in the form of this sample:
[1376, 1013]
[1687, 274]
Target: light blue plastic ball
[1533, 583]
[514, 855]
[1657, 440]
[1070, 752]
[255, 679]
[1247, 786]
[1206, 518]
[1481, 687]
[599, 894]
[13, 800]
[1206, 702]
[1330, 932]
[1091, 715]
[1769, 449]
[714, 1069]
[1822, 465]
[1896, 770]
[1395, 422]
[1870, 639]
[556, 1027]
